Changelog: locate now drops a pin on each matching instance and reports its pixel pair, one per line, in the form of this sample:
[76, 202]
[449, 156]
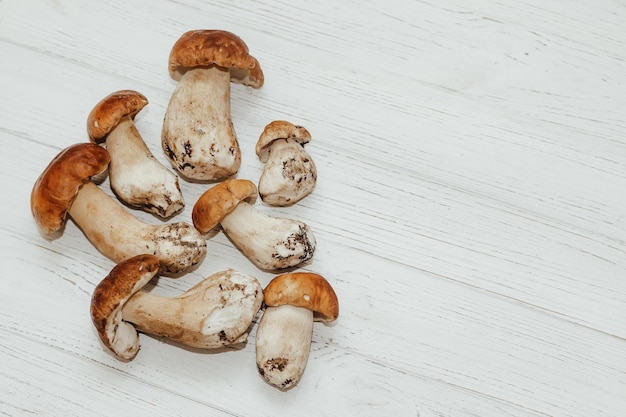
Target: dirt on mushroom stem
[289, 174]
[272, 243]
[198, 135]
[283, 343]
[216, 312]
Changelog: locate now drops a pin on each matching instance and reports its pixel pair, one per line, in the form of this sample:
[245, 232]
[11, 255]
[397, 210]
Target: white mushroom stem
[119, 235]
[137, 177]
[216, 312]
[283, 341]
[289, 174]
[269, 242]
[198, 135]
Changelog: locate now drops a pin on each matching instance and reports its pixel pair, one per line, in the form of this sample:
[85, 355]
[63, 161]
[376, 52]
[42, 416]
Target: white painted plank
[428, 343]
[441, 331]
[530, 110]
[409, 219]
[469, 209]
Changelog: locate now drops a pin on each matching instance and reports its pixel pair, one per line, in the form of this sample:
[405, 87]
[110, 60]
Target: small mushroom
[198, 135]
[271, 243]
[289, 174]
[65, 188]
[109, 297]
[136, 176]
[283, 340]
[216, 312]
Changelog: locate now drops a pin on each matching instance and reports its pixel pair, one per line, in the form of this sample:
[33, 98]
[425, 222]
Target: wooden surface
[470, 210]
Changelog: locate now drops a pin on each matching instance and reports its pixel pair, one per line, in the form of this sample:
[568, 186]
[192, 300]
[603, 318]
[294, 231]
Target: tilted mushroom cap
[111, 109]
[280, 129]
[109, 297]
[57, 186]
[205, 48]
[303, 289]
[219, 200]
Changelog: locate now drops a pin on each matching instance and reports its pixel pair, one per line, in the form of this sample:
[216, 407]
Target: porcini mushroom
[64, 187]
[216, 312]
[283, 339]
[271, 243]
[109, 297]
[289, 174]
[198, 135]
[136, 176]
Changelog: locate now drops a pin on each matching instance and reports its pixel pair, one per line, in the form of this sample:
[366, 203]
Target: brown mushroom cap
[57, 186]
[109, 297]
[280, 129]
[303, 289]
[219, 200]
[206, 48]
[110, 110]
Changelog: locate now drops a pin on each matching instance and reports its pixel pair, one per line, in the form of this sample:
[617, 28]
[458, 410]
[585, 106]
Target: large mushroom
[289, 174]
[271, 243]
[283, 340]
[216, 312]
[64, 187]
[136, 176]
[198, 135]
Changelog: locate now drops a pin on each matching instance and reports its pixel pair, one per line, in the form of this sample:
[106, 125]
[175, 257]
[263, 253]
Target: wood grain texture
[470, 208]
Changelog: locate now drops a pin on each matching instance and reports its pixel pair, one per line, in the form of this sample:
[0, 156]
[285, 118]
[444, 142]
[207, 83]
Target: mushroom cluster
[199, 140]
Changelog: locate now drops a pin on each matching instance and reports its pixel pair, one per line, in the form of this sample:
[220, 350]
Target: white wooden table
[470, 210]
